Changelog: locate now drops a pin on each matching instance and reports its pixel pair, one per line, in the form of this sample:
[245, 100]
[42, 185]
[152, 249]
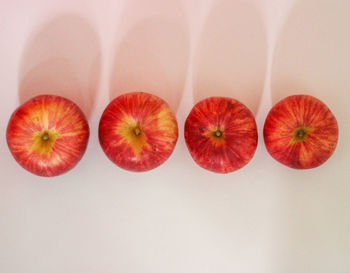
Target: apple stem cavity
[218, 133]
[137, 131]
[301, 134]
[45, 137]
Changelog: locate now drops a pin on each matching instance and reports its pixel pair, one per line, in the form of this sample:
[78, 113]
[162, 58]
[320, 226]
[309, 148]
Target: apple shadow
[152, 51]
[231, 55]
[312, 56]
[62, 57]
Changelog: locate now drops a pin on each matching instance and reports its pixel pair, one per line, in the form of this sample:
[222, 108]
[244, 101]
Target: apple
[221, 134]
[47, 135]
[138, 131]
[300, 132]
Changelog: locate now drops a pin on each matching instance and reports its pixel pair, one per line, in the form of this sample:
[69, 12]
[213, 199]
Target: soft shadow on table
[62, 57]
[231, 55]
[313, 57]
[152, 49]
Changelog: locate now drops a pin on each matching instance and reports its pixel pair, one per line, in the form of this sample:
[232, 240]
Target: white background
[179, 217]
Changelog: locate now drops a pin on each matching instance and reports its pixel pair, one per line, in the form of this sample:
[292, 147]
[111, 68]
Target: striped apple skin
[66, 128]
[138, 131]
[317, 141]
[237, 138]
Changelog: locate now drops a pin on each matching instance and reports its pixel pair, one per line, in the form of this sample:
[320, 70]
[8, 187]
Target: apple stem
[137, 131]
[218, 133]
[301, 134]
[45, 136]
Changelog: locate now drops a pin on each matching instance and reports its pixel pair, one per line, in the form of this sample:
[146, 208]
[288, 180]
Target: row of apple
[48, 135]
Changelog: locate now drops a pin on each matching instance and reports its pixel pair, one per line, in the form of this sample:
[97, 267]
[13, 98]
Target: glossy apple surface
[138, 131]
[301, 132]
[221, 134]
[48, 135]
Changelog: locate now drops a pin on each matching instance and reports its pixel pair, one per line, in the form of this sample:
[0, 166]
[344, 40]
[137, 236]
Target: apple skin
[48, 135]
[301, 132]
[138, 131]
[221, 134]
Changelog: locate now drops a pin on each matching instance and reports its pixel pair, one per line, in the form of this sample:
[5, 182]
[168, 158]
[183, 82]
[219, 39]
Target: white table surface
[178, 217]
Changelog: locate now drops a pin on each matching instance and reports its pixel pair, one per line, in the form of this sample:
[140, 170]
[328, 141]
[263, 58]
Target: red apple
[221, 134]
[48, 135]
[300, 132]
[138, 131]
